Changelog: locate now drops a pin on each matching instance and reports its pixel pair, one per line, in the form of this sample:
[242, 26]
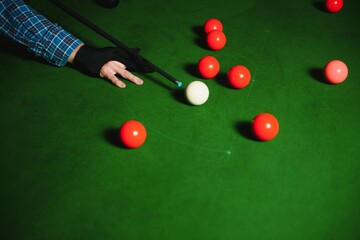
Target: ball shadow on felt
[222, 79]
[200, 39]
[320, 5]
[106, 3]
[244, 128]
[111, 135]
[179, 95]
[318, 74]
[192, 69]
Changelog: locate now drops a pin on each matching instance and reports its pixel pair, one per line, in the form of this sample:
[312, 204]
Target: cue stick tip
[179, 84]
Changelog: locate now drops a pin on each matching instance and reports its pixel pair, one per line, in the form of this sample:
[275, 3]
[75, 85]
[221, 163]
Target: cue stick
[113, 40]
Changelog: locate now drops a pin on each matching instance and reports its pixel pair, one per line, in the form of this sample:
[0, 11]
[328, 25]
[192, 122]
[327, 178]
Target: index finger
[129, 76]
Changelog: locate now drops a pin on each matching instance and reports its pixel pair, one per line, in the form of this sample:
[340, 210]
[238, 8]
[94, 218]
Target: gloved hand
[90, 60]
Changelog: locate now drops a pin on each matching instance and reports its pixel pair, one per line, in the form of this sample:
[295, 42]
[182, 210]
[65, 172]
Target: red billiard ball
[334, 6]
[335, 71]
[265, 126]
[239, 76]
[216, 40]
[208, 67]
[212, 24]
[132, 134]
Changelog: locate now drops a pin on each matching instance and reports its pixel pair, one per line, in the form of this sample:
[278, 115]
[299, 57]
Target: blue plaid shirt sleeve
[45, 39]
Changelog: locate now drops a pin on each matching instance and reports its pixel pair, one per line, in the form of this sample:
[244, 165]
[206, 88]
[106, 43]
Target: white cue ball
[197, 93]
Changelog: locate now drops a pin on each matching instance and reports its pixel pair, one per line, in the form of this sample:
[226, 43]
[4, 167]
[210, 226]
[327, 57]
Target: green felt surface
[200, 174]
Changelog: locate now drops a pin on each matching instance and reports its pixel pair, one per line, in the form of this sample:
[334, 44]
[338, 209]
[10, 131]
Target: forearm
[42, 37]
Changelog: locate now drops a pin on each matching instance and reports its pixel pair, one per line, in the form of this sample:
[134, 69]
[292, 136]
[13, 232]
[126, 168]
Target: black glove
[90, 60]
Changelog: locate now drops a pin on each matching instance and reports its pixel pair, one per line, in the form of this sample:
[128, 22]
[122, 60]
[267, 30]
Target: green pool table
[201, 174]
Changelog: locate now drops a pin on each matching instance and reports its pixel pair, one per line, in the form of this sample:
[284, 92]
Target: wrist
[73, 54]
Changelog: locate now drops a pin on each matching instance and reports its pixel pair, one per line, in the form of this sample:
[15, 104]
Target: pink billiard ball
[335, 71]
[334, 6]
[216, 40]
[208, 67]
[132, 134]
[239, 76]
[265, 126]
[212, 24]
